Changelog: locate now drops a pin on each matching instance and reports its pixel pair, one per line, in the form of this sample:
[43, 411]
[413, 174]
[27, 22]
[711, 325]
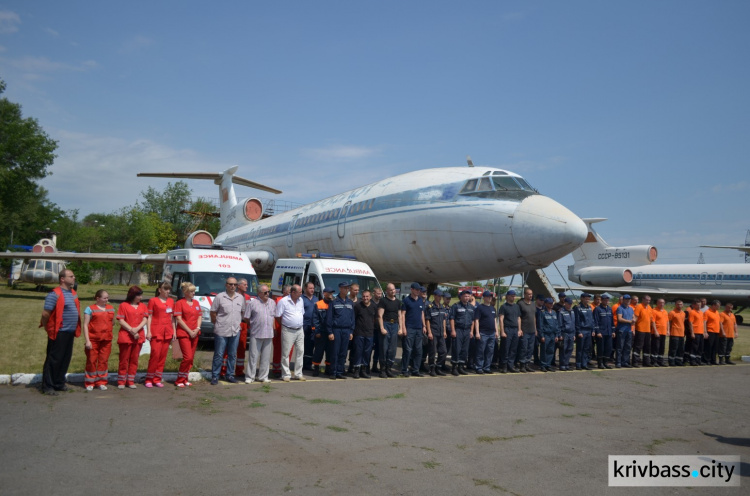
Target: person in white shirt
[291, 310]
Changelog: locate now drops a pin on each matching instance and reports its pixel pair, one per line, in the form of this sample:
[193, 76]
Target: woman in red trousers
[98, 321]
[160, 332]
[132, 316]
[189, 316]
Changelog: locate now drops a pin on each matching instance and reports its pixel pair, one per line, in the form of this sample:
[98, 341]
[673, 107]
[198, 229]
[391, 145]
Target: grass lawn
[24, 343]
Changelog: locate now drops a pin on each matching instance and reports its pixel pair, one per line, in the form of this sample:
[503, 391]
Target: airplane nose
[545, 231]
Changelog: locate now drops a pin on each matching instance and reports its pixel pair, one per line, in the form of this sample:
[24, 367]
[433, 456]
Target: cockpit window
[470, 185]
[484, 184]
[499, 173]
[505, 183]
[524, 185]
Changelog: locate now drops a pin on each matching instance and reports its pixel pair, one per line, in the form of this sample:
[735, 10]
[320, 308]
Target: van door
[342, 219]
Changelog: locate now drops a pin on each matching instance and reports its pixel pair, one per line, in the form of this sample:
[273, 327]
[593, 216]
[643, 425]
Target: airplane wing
[746, 249]
[88, 257]
[216, 178]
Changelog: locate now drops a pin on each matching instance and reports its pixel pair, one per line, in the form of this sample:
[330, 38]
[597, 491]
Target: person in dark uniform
[412, 317]
[447, 315]
[364, 327]
[340, 323]
[389, 313]
[485, 334]
[584, 330]
[566, 321]
[604, 324]
[509, 315]
[549, 334]
[537, 314]
[435, 320]
[323, 338]
[462, 325]
[377, 295]
[308, 301]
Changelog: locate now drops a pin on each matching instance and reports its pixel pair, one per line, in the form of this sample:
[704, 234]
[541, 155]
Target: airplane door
[703, 278]
[719, 278]
[637, 279]
[290, 232]
[342, 219]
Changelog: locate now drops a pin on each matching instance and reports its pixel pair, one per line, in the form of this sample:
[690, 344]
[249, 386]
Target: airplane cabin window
[470, 185]
[484, 184]
[499, 173]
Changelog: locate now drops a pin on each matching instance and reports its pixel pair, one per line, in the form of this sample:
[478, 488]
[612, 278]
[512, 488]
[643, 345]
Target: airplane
[37, 270]
[431, 225]
[628, 269]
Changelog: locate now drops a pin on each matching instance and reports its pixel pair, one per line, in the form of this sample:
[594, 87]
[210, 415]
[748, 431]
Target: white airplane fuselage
[427, 225]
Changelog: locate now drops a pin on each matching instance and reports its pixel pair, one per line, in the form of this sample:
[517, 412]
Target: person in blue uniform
[308, 301]
[462, 325]
[485, 334]
[323, 339]
[566, 321]
[412, 317]
[446, 308]
[604, 324]
[549, 334]
[340, 323]
[509, 316]
[584, 330]
[435, 319]
[624, 332]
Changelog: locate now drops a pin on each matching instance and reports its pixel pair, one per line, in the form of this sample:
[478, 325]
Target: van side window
[291, 278]
[318, 289]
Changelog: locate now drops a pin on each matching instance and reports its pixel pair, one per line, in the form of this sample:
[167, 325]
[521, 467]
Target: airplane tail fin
[225, 180]
[594, 244]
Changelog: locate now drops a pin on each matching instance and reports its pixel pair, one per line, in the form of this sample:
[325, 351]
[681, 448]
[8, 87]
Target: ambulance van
[208, 269]
[325, 271]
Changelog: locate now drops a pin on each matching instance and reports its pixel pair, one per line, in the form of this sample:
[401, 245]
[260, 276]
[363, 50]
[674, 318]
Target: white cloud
[9, 22]
[51, 32]
[731, 188]
[341, 153]
[36, 67]
[136, 43]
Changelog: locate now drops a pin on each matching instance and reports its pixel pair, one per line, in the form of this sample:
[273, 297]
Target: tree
[168, 204]
[26, 153]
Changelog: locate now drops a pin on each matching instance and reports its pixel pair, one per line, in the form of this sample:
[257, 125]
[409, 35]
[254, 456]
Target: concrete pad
[519, 434]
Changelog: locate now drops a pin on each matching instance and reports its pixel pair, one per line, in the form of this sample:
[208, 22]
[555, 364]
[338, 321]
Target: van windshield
[333, 280]
[212, 283]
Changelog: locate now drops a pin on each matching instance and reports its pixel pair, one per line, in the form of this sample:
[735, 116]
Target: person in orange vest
[98, 320]
[714, 330]
[644, 328]
[132, 316]
[658, 341]
[676, 334]
[189, 316]
[239, 368]
[61, 318]
[695, 331]
[726, 341]
[160, 331]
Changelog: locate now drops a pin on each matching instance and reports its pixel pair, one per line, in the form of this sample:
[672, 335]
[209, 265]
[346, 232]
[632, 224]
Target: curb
[28, 379]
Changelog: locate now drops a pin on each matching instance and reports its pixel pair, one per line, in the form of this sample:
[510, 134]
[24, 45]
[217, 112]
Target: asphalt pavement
[520, 434]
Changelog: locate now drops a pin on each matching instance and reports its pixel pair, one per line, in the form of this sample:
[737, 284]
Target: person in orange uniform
[726, 342]
[676, 333]
[644, 328]
[132, 316]
[659, 340]
[695, 332]
[188, 316]
[714, 329]
[98, 321]
[160, 332]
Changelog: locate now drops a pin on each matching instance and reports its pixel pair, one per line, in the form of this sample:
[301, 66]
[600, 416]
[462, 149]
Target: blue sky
[636, 111]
